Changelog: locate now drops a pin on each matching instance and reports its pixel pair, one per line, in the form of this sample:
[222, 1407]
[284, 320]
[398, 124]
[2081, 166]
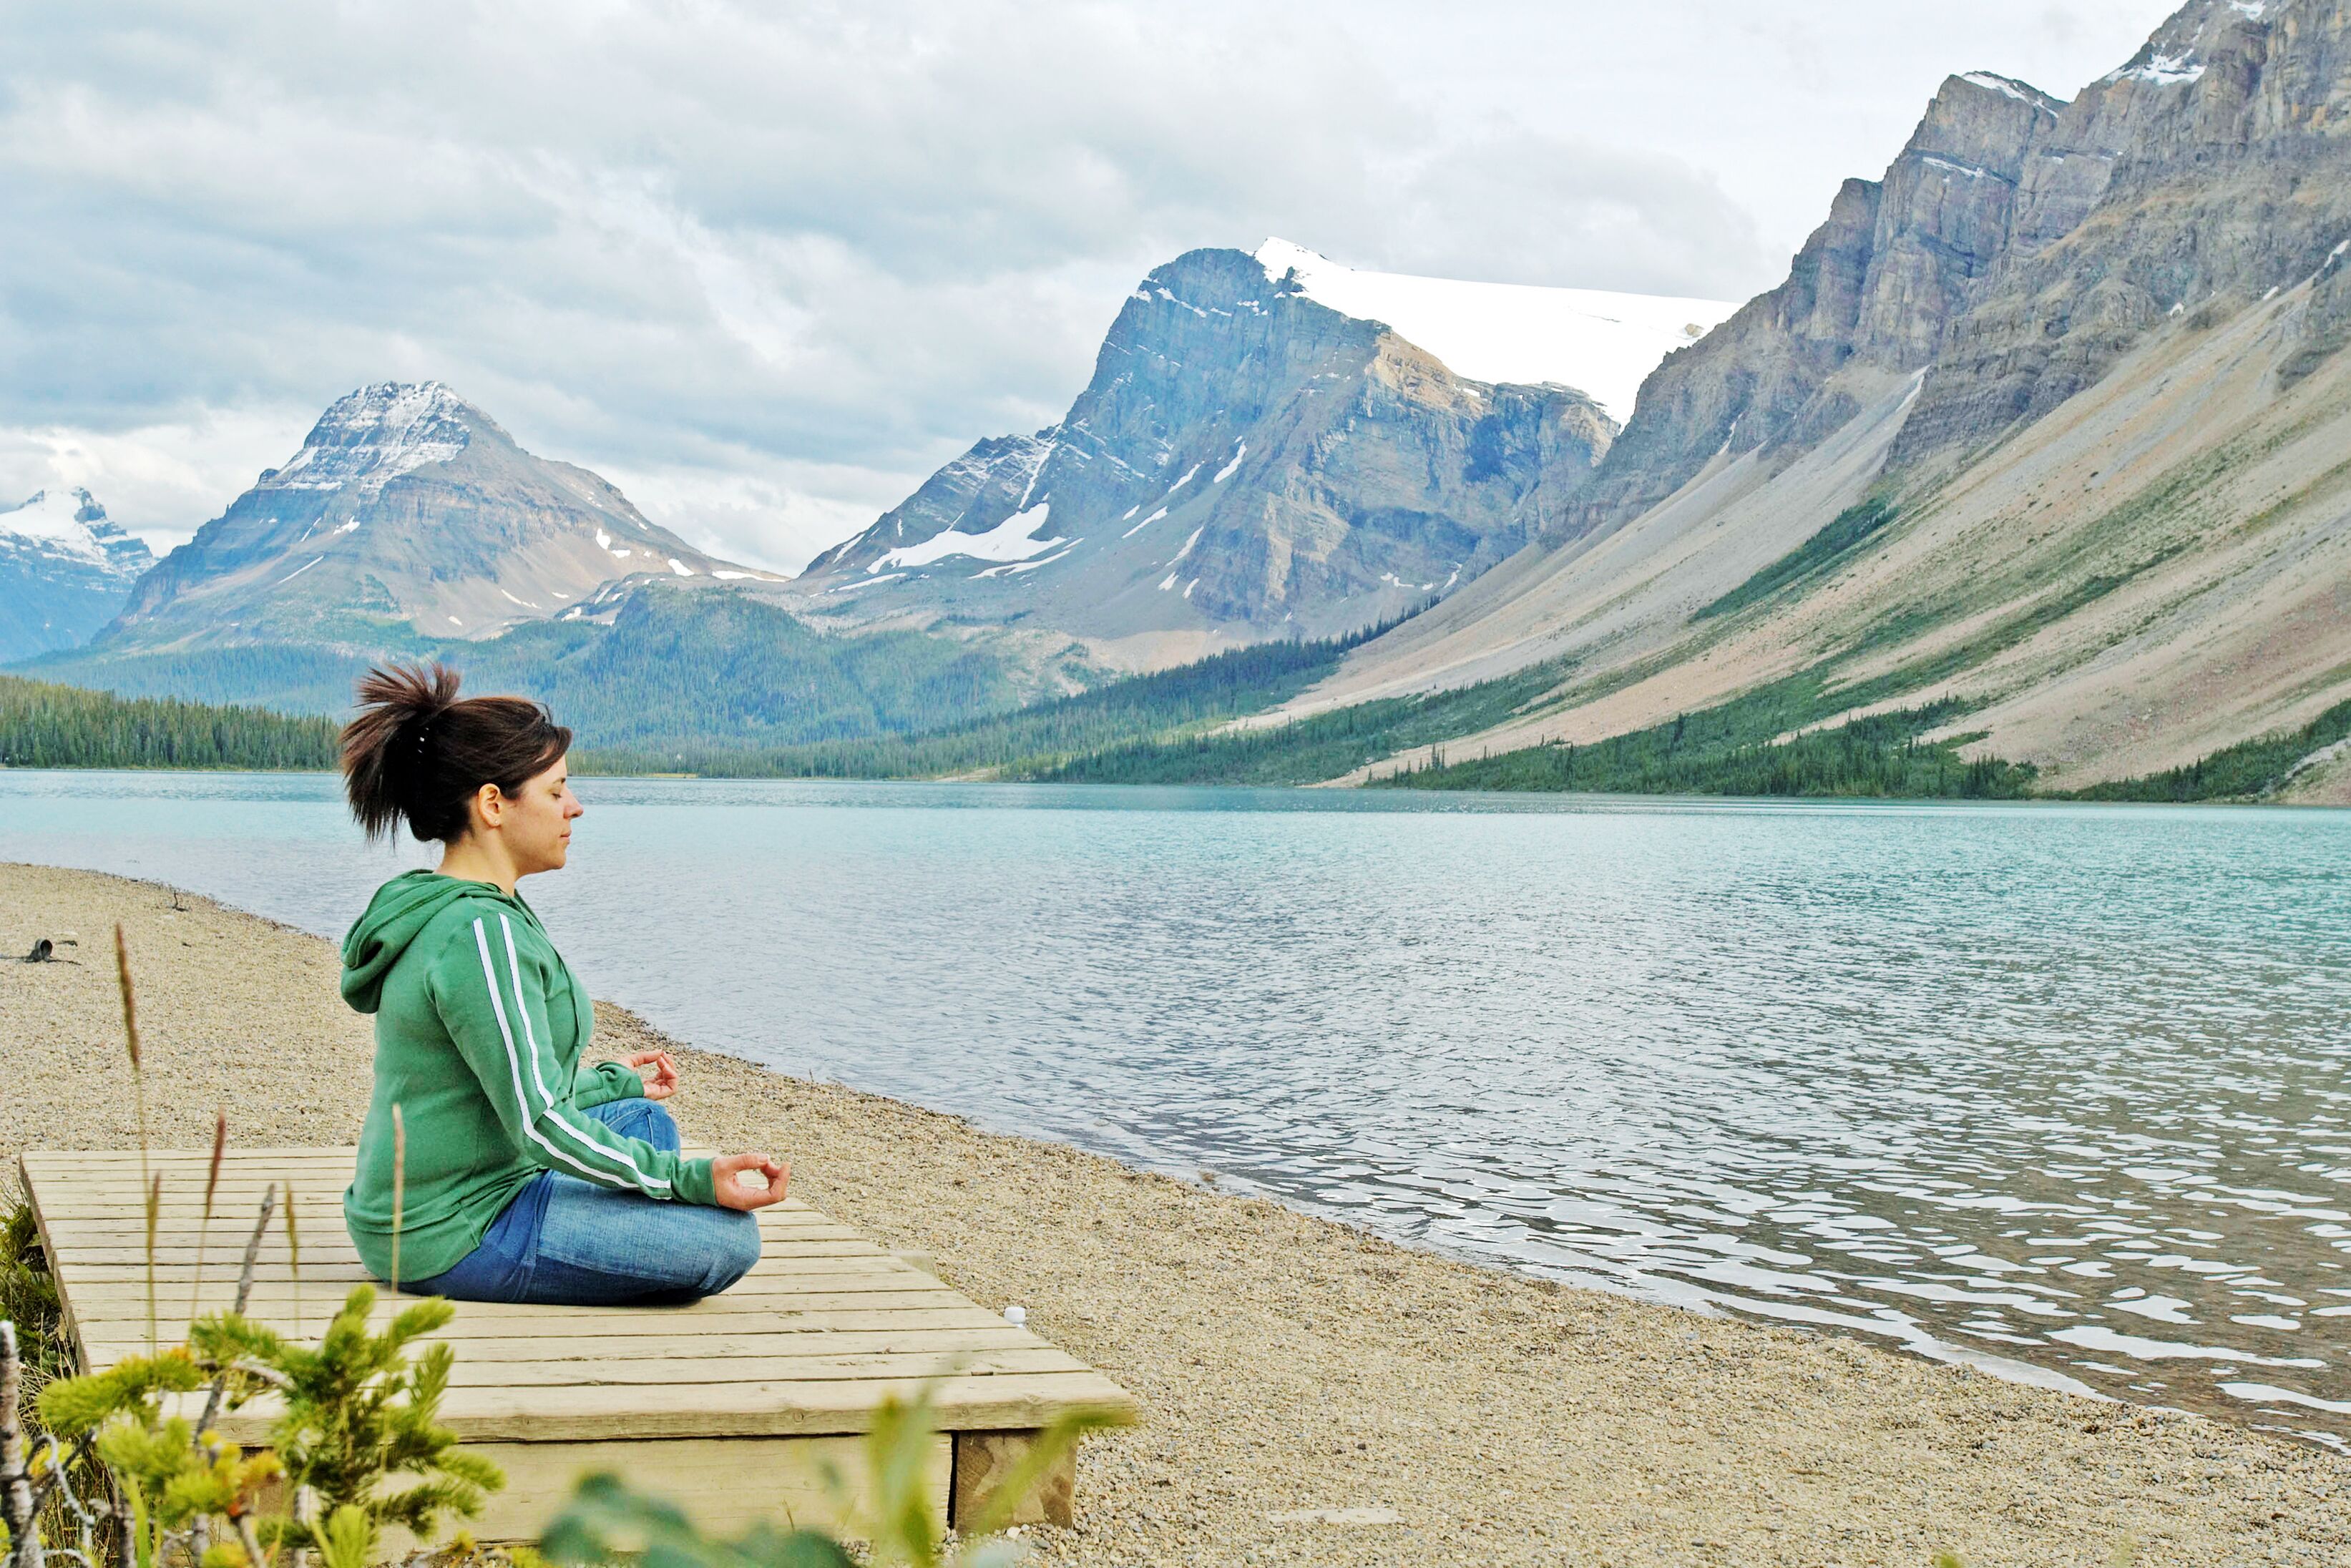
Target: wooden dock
[735, 1407]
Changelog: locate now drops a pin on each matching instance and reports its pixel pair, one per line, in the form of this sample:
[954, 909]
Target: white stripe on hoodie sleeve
[548, 1105]
[566, 1140]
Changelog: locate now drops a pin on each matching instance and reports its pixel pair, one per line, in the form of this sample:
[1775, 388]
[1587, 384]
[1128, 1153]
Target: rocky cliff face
[2209, 171]
[408, 513]
[65, 571]
[2153, 575]
[1244, 461]
[1865, 304]
[2019, 245]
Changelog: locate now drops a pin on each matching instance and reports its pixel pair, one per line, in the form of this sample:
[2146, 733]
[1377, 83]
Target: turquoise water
[2058, 1090]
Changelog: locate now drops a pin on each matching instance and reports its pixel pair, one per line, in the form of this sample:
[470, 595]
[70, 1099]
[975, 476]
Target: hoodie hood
[397, 915]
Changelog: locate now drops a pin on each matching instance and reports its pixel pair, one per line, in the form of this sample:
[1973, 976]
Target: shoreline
[1312, 1393]
[2023, 802]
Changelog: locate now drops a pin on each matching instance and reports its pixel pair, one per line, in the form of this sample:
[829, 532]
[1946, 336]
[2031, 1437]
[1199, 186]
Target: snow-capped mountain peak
[374, 435]
[1602, 344]
[69, 523]
[65, 570]
[407, 512]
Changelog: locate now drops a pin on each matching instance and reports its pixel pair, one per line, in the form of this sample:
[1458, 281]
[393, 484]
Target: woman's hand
[733, 1194]
[658, 1069]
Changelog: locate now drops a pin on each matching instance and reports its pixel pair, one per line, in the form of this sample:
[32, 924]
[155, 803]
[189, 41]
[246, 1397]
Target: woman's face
[536, 824]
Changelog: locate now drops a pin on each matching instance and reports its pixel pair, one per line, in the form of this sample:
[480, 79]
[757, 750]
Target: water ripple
[2056, 1091]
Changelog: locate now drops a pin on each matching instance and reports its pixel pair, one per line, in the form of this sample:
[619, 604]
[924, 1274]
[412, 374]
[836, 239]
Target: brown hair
[418, 753]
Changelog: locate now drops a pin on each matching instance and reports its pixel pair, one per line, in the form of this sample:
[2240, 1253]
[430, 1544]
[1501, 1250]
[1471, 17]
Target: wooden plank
[681, 1373]
[115, 1303]
[181, 1263]
[107, 1343]
[126, 1226]
[669, 1348]
[1011, 1401]
[593, 1346]
[725, 1485]
[983, 1461]
[51, 1164]
[46, 1162]
[235, 1214]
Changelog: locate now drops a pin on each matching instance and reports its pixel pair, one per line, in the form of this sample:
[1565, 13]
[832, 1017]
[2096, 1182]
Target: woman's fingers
[772, 1177]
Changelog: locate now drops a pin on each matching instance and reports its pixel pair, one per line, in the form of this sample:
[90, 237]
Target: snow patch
[1017, 567]
[2164, 71]
[680, 567]
[2270, 1394]
[1014, 538]
[866, 582]
[1145, 524]
[299, 571]
[1602, 344]
[1187, 477]
[1187, 546]
[510, 599]
[2002, 84]
[1227, 471]
[1967, 170]
[1190, 585]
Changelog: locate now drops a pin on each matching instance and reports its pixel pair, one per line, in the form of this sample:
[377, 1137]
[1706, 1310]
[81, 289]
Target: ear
[490, 804]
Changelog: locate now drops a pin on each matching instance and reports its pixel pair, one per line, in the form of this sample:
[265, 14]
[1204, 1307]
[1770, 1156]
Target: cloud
[765, 267]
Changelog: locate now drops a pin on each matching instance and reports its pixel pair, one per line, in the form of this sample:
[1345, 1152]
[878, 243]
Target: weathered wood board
[766, 1386]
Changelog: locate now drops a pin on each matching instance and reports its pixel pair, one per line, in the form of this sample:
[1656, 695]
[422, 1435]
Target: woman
[528, 1175]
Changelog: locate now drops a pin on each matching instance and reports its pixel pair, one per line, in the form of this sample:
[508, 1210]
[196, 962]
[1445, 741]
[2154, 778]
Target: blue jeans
[566, 1242]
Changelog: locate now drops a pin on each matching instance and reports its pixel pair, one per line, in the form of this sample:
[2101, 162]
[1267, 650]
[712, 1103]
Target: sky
[765, 265]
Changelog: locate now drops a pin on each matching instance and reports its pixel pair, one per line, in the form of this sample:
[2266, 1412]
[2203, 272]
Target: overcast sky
[765, 265]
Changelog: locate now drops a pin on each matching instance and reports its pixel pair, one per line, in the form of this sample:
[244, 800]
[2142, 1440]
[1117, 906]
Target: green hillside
[1032, 742]
[674, 668]
[723, 671]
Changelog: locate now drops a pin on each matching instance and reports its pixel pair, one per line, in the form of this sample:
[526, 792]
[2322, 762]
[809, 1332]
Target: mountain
[2045, 429]
[1259, 455]
[2203, 173]
[408, 514]
[410, 524]
[65, 571]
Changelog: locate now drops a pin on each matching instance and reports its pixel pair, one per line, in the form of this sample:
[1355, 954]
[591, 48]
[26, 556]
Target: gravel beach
[1312, 1395]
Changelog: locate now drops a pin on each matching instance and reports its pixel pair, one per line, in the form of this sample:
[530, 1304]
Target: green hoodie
[479, 1026]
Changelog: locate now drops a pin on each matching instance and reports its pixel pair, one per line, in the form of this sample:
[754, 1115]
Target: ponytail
[419, 753]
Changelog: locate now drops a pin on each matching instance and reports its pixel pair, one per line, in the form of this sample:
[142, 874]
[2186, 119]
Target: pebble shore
[1312, 1395]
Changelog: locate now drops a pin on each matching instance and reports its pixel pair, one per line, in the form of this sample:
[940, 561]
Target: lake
[2056, 1091]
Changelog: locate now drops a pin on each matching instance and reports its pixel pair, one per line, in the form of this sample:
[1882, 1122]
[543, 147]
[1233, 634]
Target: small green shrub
[358, 1412]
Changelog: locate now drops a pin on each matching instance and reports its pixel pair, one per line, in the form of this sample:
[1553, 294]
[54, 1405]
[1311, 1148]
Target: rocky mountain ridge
[1246, 462]
[1863, 308]
[2210, 170]
[407, 513]
[65, 570]
[2082, 358]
